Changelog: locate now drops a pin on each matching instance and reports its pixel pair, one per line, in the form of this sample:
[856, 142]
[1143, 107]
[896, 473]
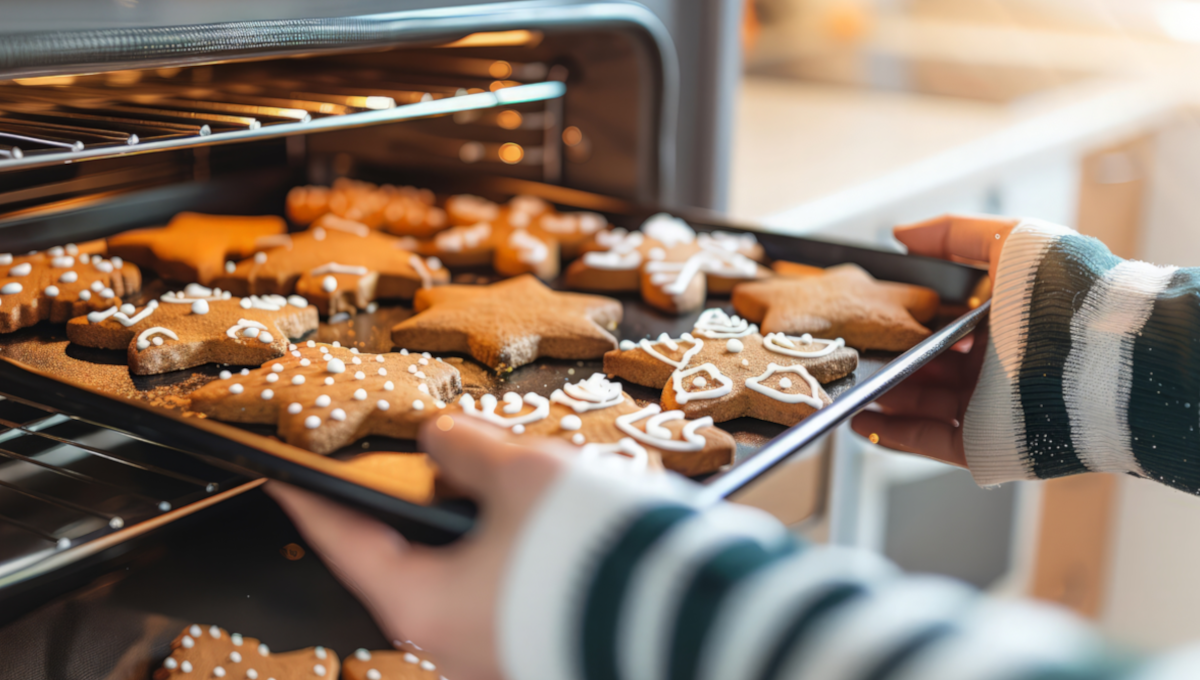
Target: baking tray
[96, 383]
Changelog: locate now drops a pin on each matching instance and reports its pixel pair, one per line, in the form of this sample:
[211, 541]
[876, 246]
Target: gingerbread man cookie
[674, 267]
[61, 283]
[510, 323]
[596, 415]
[409, 662]
[404, 211]
[212, 652]
[197, 326]
[324, 397]
[338, 265]
[195, 247]
[845, 301]
[726, 370]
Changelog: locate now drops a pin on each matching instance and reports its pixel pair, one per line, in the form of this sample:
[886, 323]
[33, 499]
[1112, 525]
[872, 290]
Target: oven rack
[70, 487]
[43, 125]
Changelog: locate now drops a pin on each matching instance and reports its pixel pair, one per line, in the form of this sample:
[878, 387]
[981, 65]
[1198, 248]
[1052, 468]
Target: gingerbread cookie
[673, 267]
[338, 265]
[212, 652]
[510, 323]
[845, 301]
[596, 415]
[411, 476]
[409, 662]
[197, 326]
[195, 247]
[405, 211]
[324, 397]
[61, 283]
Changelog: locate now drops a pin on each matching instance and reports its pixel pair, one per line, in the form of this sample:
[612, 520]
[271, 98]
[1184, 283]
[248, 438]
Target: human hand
[924, 414]
[443, 598]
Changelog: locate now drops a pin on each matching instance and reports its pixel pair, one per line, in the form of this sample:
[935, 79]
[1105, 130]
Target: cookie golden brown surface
[338, 265]
[324, 397]
[194, 247]
[61, 283]
[510, 323]
[404, 211]
[203, 651]
[844, 302]
[196, 326]
[407, 663]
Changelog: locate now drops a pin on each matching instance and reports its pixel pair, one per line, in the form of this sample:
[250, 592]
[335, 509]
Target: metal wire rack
[52, 122]
[70, 487]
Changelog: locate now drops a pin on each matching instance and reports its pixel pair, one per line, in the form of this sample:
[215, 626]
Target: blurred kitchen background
[857, 115]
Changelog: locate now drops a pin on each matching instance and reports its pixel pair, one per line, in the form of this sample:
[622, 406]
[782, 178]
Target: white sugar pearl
[157, 342]
[295, 407]
[260, 258]
[403, 352]
[214, 632]
[379, 358]
[245, 371]
[360, 394]
[200, 307]
[329, 380]
[359, 375]
[68, 277]
[785, 383]
[298, 380]
[13, 288]
[356, 361]
[389, 386]
[570, 422]
[382, 405]
[578, 439]
[412, 368]
[170, 663]
[22, 269]
[734, 345]
[278, 368]
[362, 654]
[373, 674]
[319, 670]
[328, 284]
[225, 375]
[699, 381]
[297, 301]
[84, 295]
[107, 294]
[745, 362]
[418, 405]
[251, 674]
[323, 401]
[383, 371]
[128, 308]
[51, 291]
[335, 343]
[428, 665]
[235, 657]
[97, 286]
[420, 375]
[268, 394]
[411, 658]
[305, 362]
[250, 332]
[272, 377]
[186, 666]
[265, 337]
[439, 403]
[423, 388]
[312, 422]
[235, 388]
[320, 652]
[194, 631]
[424, 362]
[263, 650]
[219, 672]
[518, 429]
[236, 639]
[354, 350]
[427, 355]
[324, 350]
[187, 642]
[310, 343]
[230, 266]
[296, 353]
[336, 366]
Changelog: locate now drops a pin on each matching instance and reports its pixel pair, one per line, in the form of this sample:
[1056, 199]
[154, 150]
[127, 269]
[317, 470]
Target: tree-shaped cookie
[197, 326]
[324, 397]
[338, 265]
[61, 283]
[195, 247]
[404, 211]
[510, 323]
[725, 369]
[408, 662]
[674, 267]
[596, 415]
[845, 302]
[204, 651]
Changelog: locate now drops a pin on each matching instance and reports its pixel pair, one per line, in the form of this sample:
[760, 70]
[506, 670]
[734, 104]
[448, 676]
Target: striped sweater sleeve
[614, 579]
[1093, 364]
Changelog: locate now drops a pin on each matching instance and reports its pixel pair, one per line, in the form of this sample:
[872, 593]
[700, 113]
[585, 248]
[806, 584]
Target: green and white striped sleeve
[619, 579]
[1093, 364]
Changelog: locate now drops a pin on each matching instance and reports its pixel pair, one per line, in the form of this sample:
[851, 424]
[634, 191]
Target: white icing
[122, 317]
[627, 345]
[427, 665]
[674, 277]
[734, 346]
[362, 654]
[97, 286]
[722, 262]
[733, 243]
[329, 284]
[63, 262]
[755, 384]
[260, 258]
[107, 294]
[670, 230]
[626, 453]
[597, 392]
[724, 384]
[251, 332]
[102, 265]
[699, 381]
[487, 410]
[418, 266]
[657, 435]
[458, 239]
[785, 383]
[12, 288]
[716, 324]
[530, 249]
[68, 277]
[143, 338]
[22, 269]
[274, 241]
[570, 422]
[6, 258]
[622, 252]
[241, 326]
[335, 268]
[786, 344]
[297, 301]
[648, 348]
[230, 267]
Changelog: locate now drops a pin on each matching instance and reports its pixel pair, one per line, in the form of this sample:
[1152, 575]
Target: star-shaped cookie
[194, 247]
[404, 211]
[409, 662]
[197, 326]
[324, 397]
[61, 283]
[596, 415]
[845, 302]
[725, 369]
[203, 651]
[673, 266]
[510, 323]
[338, 265]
